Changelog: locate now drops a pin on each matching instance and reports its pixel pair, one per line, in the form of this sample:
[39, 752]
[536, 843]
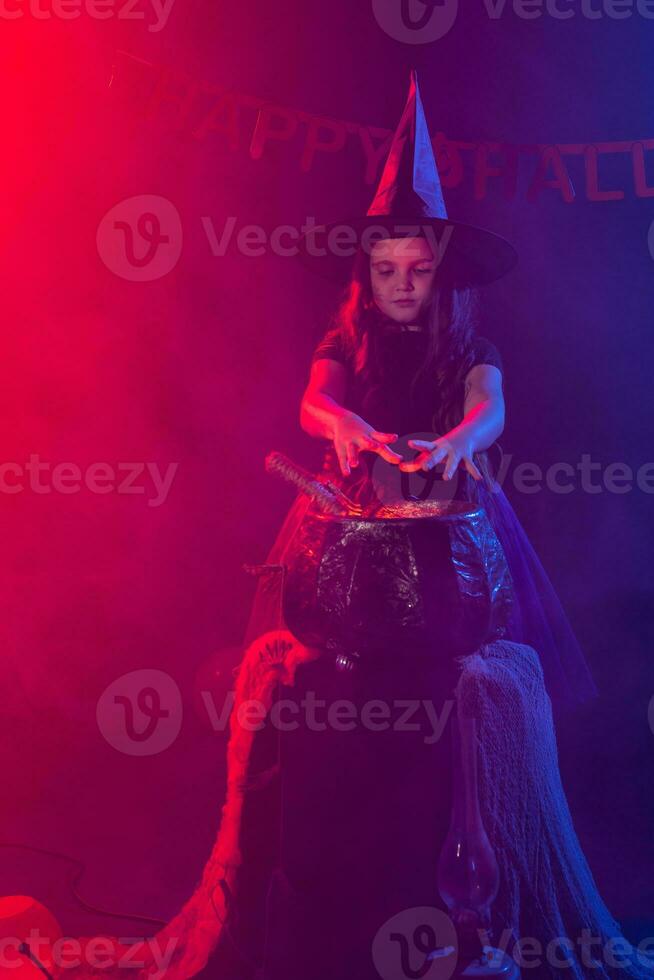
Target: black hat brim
[468, 255]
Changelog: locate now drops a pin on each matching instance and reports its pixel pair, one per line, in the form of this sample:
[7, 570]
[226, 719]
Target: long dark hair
[450, 318]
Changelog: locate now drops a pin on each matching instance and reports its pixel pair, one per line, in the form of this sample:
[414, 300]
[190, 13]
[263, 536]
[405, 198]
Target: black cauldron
[427, 574]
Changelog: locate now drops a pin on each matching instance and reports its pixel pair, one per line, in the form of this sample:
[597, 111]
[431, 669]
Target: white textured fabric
[547, 889]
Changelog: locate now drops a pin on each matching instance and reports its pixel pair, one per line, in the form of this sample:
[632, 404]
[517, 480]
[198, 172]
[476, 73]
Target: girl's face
[402, 272]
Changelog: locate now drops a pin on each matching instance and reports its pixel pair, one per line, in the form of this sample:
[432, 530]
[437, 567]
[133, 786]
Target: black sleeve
[330, 346]
[485, 352]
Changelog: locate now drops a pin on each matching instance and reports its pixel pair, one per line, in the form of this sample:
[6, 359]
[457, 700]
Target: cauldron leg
[364, 810]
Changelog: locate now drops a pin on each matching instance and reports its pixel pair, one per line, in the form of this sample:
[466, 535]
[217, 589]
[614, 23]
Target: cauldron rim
[453, 510]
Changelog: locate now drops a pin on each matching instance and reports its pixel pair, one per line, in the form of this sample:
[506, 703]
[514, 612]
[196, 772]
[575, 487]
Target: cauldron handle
[344, 660]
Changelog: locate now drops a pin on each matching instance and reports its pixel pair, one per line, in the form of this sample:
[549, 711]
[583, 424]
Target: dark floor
[144, 826]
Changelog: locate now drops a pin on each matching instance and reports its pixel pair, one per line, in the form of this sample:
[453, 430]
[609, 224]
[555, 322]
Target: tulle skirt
[538, 618]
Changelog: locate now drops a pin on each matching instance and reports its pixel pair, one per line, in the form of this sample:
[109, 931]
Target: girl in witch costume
[326, 836]
[401, 387]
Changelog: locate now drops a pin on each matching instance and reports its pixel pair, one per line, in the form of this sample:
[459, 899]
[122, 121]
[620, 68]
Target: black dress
[393, 407]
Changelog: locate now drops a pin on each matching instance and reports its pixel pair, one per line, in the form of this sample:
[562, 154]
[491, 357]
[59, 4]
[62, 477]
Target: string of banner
[203, 109]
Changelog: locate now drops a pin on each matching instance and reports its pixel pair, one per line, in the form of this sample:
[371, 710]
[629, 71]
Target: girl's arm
[483, 410]
[322, 402]
[322, 415]
[482, 424]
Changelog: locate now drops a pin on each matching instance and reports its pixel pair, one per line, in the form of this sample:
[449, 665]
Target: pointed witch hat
[409, 203]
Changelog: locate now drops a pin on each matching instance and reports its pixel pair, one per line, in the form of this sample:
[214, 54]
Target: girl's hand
[455, 448]
[352, 435]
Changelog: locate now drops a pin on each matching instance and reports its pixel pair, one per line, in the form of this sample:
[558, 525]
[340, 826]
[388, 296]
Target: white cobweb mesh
[547, 889]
